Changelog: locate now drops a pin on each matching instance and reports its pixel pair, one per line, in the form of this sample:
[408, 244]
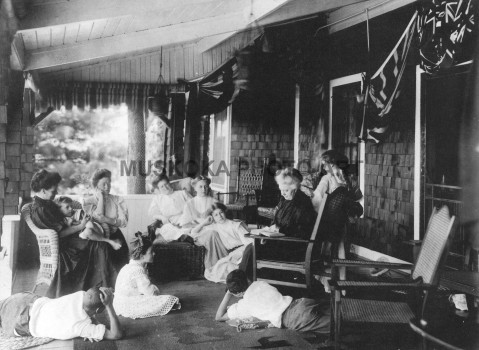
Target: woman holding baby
[82, 263]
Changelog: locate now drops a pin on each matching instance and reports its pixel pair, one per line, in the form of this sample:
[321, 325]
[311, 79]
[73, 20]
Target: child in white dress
[135, 295]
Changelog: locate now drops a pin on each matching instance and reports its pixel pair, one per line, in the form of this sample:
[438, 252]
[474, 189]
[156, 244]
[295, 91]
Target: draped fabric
[213, 93]
[383, 88]
[100, 95]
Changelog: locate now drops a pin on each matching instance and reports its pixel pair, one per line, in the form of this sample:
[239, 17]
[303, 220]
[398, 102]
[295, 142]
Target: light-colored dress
[196, 209]
[231, 234]
[115, 208]
[170, 206]
[327, 185]
[135, 294]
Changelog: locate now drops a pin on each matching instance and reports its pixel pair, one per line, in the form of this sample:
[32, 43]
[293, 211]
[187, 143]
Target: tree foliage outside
[77, 142]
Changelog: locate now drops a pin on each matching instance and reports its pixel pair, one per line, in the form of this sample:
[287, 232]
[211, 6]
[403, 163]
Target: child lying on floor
[264, 302]
[92, 231]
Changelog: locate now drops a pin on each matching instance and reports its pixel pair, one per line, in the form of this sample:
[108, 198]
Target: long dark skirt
[120, 257]
[83, 264]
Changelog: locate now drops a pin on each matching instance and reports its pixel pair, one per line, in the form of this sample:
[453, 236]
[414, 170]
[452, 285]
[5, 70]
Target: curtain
[100, 95]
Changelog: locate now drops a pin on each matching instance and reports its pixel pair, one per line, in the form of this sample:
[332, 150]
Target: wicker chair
[424, 277]
[308, 267]
[249, 179]
[48, 246]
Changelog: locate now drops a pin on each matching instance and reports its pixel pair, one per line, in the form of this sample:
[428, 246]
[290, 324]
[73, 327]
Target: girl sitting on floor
[230, 244]
[135, 295]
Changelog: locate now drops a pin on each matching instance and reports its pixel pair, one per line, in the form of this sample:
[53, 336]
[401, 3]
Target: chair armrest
[367, 263]
[285, 239]
[344, 285]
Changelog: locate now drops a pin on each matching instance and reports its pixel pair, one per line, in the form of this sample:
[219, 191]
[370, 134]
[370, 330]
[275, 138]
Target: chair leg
[337, 319]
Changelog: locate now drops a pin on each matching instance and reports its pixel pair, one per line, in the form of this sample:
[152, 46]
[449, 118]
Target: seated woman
[82, 263]
[135, 295]
[110, 211]
[167, 206]
[294, 217]
[198, 208]
[231, 244]
[195, 212]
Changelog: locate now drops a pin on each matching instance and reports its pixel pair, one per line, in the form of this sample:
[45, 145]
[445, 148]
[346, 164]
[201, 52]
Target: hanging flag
[442, 26]
[383, 88]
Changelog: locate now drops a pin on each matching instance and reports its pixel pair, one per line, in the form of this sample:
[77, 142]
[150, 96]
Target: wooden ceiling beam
[354, 14]
[130, 43]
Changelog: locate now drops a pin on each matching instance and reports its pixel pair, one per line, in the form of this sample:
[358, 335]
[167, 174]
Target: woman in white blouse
[135, 295]
[200, 207]
[110, 211]
[167, 206]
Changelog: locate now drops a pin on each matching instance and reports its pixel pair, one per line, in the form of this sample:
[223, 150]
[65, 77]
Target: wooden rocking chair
[309, 266]
[424, 278]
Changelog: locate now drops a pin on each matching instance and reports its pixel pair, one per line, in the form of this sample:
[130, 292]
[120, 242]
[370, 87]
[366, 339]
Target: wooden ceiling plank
[377, 8]
[58, 34]
[43, 38]
[17, 56]
[29, 40]
[84, 32]
[97, 30]
[50, 14]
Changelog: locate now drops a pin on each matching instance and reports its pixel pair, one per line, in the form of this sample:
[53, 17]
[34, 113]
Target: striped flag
[383, 88]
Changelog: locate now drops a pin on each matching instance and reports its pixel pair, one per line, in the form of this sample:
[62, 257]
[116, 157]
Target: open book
[266, 232]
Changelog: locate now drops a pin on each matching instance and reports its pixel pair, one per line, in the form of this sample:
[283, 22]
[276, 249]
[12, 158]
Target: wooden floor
[24, 280]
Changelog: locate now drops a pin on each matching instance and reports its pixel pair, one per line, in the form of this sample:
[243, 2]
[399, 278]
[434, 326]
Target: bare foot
[115, 244]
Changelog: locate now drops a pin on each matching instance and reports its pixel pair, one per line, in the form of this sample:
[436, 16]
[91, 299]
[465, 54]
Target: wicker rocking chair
[48, 246]
[423, 279]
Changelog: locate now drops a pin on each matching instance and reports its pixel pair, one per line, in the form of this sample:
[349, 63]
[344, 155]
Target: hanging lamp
[159, 103]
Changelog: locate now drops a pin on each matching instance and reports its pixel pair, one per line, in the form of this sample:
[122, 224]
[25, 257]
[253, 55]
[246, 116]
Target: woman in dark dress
[111, 212]
[294, 217]
[82, 263]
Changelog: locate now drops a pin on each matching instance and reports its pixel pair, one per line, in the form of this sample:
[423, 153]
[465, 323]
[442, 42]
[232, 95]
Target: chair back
[48, 247]
[249, 179]
[435, 246]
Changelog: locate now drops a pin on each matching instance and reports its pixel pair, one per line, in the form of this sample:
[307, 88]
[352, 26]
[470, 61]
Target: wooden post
[136, 153]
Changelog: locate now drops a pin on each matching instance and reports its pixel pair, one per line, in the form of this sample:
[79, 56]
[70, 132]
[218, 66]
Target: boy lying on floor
[67, 317]
[264, 302]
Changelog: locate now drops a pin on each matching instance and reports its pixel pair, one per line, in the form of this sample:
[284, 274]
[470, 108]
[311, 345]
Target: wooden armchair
[424, 277]
[48, 246]
[249, 179]
[309, 266]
